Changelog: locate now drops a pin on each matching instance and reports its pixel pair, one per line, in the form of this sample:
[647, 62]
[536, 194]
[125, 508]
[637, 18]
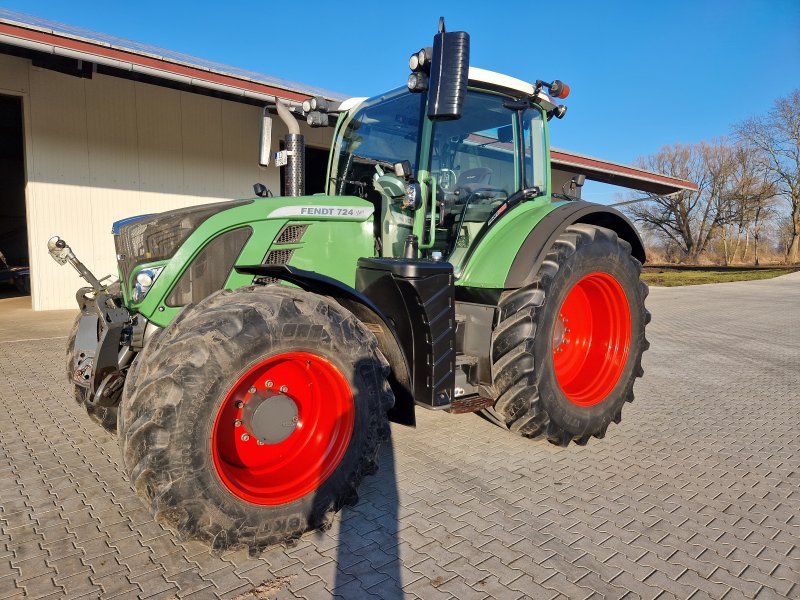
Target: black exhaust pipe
[295, 172]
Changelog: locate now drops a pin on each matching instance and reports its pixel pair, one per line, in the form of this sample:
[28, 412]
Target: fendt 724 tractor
[254, 351]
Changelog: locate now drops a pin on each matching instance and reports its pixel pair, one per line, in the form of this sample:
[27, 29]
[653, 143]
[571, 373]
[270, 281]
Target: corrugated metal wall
[101, 149]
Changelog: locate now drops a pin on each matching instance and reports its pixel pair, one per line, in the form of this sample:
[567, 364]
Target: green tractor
[254, 351]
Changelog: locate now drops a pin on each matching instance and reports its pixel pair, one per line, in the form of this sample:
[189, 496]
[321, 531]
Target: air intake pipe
[295, 173]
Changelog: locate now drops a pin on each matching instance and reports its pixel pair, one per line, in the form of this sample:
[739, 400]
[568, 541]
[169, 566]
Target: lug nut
[238, 404]
[295, 419]
[284, 389]
[245, 437]
[259, 442]
[252, 389]
[269, 383]
[237, 423]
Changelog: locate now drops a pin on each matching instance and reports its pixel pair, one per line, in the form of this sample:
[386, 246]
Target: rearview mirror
[449, 74]
[265, 139]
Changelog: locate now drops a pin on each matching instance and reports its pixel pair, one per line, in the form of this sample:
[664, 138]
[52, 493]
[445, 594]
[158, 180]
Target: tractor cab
[466, 169]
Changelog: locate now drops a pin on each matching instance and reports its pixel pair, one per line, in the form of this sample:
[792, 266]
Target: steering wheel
[478, 194]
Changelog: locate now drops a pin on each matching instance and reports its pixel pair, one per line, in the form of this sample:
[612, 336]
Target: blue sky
[643, 73]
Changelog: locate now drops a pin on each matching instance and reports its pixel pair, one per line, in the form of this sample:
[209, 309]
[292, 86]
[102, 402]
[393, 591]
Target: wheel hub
[559, 333]
[270, 417]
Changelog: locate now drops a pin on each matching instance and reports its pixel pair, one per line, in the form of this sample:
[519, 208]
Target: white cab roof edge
[351, 103]
[513, 84]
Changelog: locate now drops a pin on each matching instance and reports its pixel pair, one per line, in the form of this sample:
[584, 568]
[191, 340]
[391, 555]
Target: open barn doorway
[14, 274]
[316, 169]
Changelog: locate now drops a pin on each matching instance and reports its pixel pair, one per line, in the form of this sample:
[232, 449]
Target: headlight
[144, 281]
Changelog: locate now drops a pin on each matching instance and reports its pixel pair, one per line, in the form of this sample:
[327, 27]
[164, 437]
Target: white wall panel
[57, 192]
[240, 152]
[113, 163]
[13, 74]
[201, 127]
[102, 149]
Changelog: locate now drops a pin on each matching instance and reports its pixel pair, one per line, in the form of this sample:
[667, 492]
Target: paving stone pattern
[695, 495]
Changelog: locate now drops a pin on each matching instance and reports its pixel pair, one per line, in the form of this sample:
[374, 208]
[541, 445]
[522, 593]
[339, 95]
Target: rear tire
[182, 426]
[569, 346]
[105, 416]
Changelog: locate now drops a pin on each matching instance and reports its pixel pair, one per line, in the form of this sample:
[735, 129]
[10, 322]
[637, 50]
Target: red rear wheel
[318, 430]
[568, 347]
[591, 339]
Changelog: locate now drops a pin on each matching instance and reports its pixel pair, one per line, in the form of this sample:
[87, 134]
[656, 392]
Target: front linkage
[105, 338]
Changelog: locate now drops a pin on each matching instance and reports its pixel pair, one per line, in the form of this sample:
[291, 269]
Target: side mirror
[265, 139]
[449, 74]
[261, 190]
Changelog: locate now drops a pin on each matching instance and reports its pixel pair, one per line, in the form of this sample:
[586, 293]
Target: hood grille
[291, 234]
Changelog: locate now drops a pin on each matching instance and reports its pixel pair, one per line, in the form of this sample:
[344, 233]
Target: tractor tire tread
[516, 377]
[202, 336]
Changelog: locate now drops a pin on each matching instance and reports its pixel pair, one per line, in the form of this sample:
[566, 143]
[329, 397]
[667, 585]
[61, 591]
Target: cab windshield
[476, 161]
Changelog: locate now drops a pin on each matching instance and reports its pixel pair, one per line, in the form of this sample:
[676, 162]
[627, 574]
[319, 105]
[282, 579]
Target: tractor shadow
[367, 552]
[367, 555]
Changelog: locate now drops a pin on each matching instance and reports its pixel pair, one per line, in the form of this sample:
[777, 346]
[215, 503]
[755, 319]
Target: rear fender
[533, 250]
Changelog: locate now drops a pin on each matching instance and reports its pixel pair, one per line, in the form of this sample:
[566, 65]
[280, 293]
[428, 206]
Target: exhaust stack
[295, 174]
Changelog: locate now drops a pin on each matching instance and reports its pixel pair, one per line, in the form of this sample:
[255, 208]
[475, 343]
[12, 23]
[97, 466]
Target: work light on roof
[315, 103]
[421, 60]
[417, 82]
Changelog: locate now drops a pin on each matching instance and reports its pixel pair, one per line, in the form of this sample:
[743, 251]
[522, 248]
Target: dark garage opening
[316, 170]
[13, 223]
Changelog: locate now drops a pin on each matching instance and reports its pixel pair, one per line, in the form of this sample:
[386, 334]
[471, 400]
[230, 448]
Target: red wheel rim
[278, 473]
[591, 338]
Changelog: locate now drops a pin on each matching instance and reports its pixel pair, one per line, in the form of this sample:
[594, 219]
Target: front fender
[369, 314]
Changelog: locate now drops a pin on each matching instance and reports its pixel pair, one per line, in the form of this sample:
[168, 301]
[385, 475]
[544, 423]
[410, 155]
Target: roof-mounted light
[417, 82]
[421, 60]
[317, 103]
[557, 89]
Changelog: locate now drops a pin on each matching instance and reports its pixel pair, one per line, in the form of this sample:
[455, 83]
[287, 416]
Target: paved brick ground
[695, 495]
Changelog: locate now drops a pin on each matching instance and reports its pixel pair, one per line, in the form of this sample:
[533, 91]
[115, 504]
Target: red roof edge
[605, 171]
[147, 61]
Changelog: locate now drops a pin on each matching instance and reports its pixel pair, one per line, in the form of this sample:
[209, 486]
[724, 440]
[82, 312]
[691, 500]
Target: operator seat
[474, 179]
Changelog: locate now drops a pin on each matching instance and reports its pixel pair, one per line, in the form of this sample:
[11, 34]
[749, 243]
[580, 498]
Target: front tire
[190, 440]
[569, 346]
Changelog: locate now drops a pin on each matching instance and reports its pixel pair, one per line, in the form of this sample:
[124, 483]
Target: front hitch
[63, 254]
[99, 354]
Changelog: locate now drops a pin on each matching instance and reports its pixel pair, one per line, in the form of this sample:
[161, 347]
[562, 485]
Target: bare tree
[690, 218]
[751, 202]
[775, 136]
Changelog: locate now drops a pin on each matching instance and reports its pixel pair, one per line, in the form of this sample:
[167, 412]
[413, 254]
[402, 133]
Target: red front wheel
[255, 416]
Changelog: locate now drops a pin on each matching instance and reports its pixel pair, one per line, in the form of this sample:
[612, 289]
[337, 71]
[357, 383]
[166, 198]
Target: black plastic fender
[369, 314]
[544, 234]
